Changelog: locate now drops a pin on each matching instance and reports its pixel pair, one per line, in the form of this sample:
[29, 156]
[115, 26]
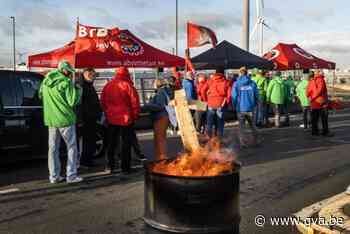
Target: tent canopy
[292, 57]
[123, 50]
[229, 56]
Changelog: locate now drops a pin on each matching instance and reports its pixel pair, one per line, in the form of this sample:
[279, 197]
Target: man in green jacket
[276, 95]
[60, 96]
[303, 99]
[260, 111]
[290, 92]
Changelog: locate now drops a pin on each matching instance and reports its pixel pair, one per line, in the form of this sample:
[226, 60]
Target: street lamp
[14, 41]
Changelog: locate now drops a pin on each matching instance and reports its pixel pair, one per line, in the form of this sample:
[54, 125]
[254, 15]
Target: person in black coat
[89, 112]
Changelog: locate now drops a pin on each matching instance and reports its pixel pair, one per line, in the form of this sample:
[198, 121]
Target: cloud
[165, 26]
[139, 3]
[330, 45]
[103, 17]
[316, 15]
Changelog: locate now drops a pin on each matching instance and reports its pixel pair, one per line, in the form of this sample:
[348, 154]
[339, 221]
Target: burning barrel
[200, 197]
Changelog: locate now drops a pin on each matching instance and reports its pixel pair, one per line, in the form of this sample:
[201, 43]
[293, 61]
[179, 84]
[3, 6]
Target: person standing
[160, 116]
[290, 91]
[60, 97]
[189, 86]
[303, 99]
[215, 94]
[245, 96]
[121, 105]
[260, 110]
[318, 96]
[200, 116]
[276, 95]
[89, 113]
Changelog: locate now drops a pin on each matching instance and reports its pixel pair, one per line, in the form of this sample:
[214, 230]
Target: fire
[209, 160]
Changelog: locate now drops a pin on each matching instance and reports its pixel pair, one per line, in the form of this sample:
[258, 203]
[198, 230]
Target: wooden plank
[324, 208]
[185, 121]
[314, 208]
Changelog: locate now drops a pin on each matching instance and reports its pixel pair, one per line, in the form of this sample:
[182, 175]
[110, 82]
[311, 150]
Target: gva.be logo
[92, 32]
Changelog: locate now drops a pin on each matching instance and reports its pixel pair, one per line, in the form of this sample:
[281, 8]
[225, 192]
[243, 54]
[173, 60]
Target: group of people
[254, 96]
[72, 108]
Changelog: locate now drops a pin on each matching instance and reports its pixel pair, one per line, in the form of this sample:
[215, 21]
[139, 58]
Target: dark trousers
[119, 139]
[200, 120]
[306, 113]
[315, 116]
[286, 109]
[277, 109]
[135, 143]
[88, 150]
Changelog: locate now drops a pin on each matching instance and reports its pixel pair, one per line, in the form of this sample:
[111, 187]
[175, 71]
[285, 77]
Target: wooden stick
[185, 121]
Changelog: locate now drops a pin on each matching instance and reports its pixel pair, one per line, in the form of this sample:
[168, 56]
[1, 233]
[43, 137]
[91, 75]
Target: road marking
[6, 191]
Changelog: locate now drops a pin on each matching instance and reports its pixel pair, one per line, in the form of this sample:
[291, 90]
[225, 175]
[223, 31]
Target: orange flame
[209, 160]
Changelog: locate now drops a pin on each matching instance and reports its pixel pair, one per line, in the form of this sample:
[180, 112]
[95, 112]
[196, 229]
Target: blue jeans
[259, 112]
[69, 136]
[217, 113]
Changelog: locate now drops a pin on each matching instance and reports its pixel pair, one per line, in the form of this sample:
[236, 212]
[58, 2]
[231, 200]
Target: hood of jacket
[53, 78]
[218, 76]
[278, 79]
[318, 77]
[244, 80]
[124, 77]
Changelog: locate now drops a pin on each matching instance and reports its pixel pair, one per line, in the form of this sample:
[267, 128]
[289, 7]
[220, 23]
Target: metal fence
[144, 86]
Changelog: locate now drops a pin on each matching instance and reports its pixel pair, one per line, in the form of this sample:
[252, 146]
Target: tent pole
[333, 83]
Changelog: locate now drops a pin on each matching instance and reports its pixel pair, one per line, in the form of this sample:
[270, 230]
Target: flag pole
[74, 53]
[177, 27]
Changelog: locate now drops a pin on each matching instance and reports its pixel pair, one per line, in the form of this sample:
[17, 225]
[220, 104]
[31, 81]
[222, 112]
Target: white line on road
[6, 191]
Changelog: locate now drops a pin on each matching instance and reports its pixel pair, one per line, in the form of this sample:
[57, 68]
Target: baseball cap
[64, 65]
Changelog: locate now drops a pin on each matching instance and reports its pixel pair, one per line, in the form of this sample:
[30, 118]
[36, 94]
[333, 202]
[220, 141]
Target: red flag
[198, 36]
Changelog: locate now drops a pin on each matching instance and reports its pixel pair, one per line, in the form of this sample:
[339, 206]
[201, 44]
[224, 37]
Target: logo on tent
[297, 65]
[129, 45]
[303, 53]
[273, 54]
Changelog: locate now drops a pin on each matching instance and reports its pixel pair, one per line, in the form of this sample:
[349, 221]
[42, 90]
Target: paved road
[290, 171]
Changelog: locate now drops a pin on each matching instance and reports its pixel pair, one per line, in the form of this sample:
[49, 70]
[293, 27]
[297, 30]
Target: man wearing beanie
[121, 105]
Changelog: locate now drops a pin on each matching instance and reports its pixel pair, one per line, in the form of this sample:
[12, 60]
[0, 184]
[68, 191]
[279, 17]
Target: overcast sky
[320, 26]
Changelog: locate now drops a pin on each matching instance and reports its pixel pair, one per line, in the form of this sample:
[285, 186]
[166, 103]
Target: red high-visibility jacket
[120, 101]
[215, 91]
[317, 92]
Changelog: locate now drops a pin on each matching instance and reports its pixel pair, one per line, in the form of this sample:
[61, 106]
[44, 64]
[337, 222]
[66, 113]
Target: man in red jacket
[121, 105]
[200, 116]
[215, 93]
[318, 96]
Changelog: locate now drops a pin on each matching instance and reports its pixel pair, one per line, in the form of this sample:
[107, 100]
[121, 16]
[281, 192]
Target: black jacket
[89, 109]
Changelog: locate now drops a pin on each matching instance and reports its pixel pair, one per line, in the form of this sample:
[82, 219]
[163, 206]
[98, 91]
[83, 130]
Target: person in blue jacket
[189, 87]
[245, 96]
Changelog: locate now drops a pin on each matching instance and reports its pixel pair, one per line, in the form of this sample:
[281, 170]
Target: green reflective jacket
[59, 96]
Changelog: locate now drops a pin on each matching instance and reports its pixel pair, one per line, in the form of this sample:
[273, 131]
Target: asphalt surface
[289, 171]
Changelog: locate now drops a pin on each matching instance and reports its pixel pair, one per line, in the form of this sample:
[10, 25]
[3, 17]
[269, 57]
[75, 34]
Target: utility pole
[14, 41]
[245, 25]
[177, 27]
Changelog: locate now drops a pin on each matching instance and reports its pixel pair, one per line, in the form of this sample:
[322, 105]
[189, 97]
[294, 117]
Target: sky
[319, 26]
